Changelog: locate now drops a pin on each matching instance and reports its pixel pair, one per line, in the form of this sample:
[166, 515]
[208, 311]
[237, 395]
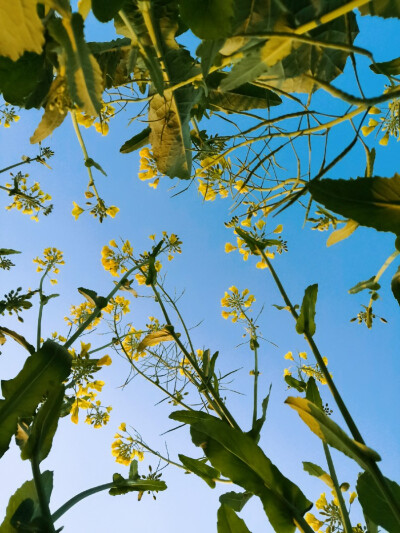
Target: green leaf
[44, 426]
[18, 338]
[312, 392]
[84, 76]
[113, 58]
[92, 163]
[208, 51]
[235, 500]
[396, 285]
[229, 522]
[93, 298]
[42, 372]
[295, 383]
[104, 10]
[8, 251]
[27, 491]
[328, 431]
[239, 458]
[255, 431]
[136, 142]
[381, 8]
[317, 471]
[372, 202]
[367, 284]
[342, 233]
[198, 467]
[123, 486]
[305, 323]
[397, 244]
[374, 504]
[369, 168]
[208, 19]
[242, 98]
[154, 338]
[388, 68]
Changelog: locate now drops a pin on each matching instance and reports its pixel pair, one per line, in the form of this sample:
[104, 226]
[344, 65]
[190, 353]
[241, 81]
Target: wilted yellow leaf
[342, 233]
[155, 337]
[55, 111]
[21, 29]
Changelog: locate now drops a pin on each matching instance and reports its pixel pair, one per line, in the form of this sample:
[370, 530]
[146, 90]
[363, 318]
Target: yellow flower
[353, 496]
[141, 279]
[85, 349]
[122, 426]
[104, 361]
[75, 413]
[321, 502]
[278, 229]
[261, 264]
[229, 247]
[113, 243]
[260, 224]
[303, 355]
[127, 248]
[287, 372]
[207, 191]
[155, 183]
[366, 130]
[384, 140]
[289, 355]
[77, 211]
[246, 222]
[313, 522]
[225, 314]
[112, 211]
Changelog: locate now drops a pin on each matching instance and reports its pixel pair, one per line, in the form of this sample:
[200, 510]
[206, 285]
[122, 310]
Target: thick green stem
[41, 305]
[255, 395]
[342, 506]
[76, 499]
[44, 506]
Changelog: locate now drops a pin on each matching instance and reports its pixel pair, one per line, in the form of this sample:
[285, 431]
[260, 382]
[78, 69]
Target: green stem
[342, 506]
[381, 271]
[76, 499]
[41, 305]
[44, 506]
[255, 396]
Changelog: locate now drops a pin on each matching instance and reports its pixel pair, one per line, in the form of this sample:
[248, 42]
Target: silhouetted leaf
[104, 10]
[208, 19]
[370, 284]
[236, 500]
[396, 285]
[136, 142]
[229, 522]
[389, 68]
[305, 323]
[374, 504]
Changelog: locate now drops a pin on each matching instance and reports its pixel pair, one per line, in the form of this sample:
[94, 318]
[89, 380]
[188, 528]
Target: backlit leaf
[198, 467]
[317, 471]
[342, 233]
[305, 323]
[389, 68]
[154, 338]
[229, 522]
[369, 284]
[208, 19]
[136, 142]
[372, 202]
[236, 500]
[328, 431]
[21, 29]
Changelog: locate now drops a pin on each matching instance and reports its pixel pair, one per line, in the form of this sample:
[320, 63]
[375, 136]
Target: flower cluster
[80, 313]
[101, 122]
[117, 306]
[114, 258]
[131, 342]
[236, 302]
[305, 369]
[213, 182]
[330, 515]
[389, 125]
[185, 365]
[29, 199]
[257, 232]
[52, 258]
[148, 167]
[125, 448]
[99, 210]
[8, 115]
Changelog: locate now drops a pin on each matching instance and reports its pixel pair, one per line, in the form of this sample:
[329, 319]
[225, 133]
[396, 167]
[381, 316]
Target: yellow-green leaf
[155, 337]
[342, 233]
[21, 29]
[55, 111]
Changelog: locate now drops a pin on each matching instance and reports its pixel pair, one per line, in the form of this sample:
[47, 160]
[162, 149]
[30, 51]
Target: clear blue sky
[364, 363]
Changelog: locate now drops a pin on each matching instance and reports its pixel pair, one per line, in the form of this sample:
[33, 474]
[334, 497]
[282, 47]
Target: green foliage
[136, 142]
[199, 468]
[42, 372]
[229, 522]
[396, 285]
[208, 20]
[235, 500]
[306, 323]
[375, 507]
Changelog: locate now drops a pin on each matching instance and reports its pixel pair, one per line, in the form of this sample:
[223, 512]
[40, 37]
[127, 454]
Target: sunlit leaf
[317, 471]
[312, 392]
[372, 202]
[136, 142]
[42, 371]
[229, 522]
[328, 431]
[369, 284]
[18, 338]
[342, 233]
[306, 323]
[21, 29]
[93, 298]
[8, 251]
[389, 68]
[154, 338]
[198, 467]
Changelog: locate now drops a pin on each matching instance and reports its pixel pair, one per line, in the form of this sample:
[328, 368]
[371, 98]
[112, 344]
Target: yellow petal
[77, 211]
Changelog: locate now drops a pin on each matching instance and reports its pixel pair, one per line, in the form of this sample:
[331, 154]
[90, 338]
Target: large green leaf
[239, 458]
[84, 76]
[104, 10]
[328, 431]
[381, 8]
[372, 202]
[42, 372]
[242, 98]
[374, 505]
[40, 440]
[27, 491]
[198, 467]
[208, 19]
[306, 323]
[229, 522]
[236, 500]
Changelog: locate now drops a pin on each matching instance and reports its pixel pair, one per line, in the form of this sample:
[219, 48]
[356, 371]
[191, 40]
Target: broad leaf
[255, 431]
[328, 431]
[208, 52]
[235, 500]
[342, 233]
[18, 338]
[312, 392]
[84, 76]
[305, 323]
[40, 440]
[208, 19]
[295, 383]
[388, 68]
[27, 491]
[104, 10]
[317, 471]
[239, 458]
[21, 29]
[93, 298]
[155, 337]
[369, 284]
[229, 522]
[372, 202]
[198, 467]
[42, 372]
[374, 504]
[381, 8]
[55, 111]
[113, 59]
[396, 285]
[136, 142]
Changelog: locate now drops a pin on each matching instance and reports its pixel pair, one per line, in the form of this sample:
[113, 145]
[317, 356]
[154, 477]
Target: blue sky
[364, 363]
